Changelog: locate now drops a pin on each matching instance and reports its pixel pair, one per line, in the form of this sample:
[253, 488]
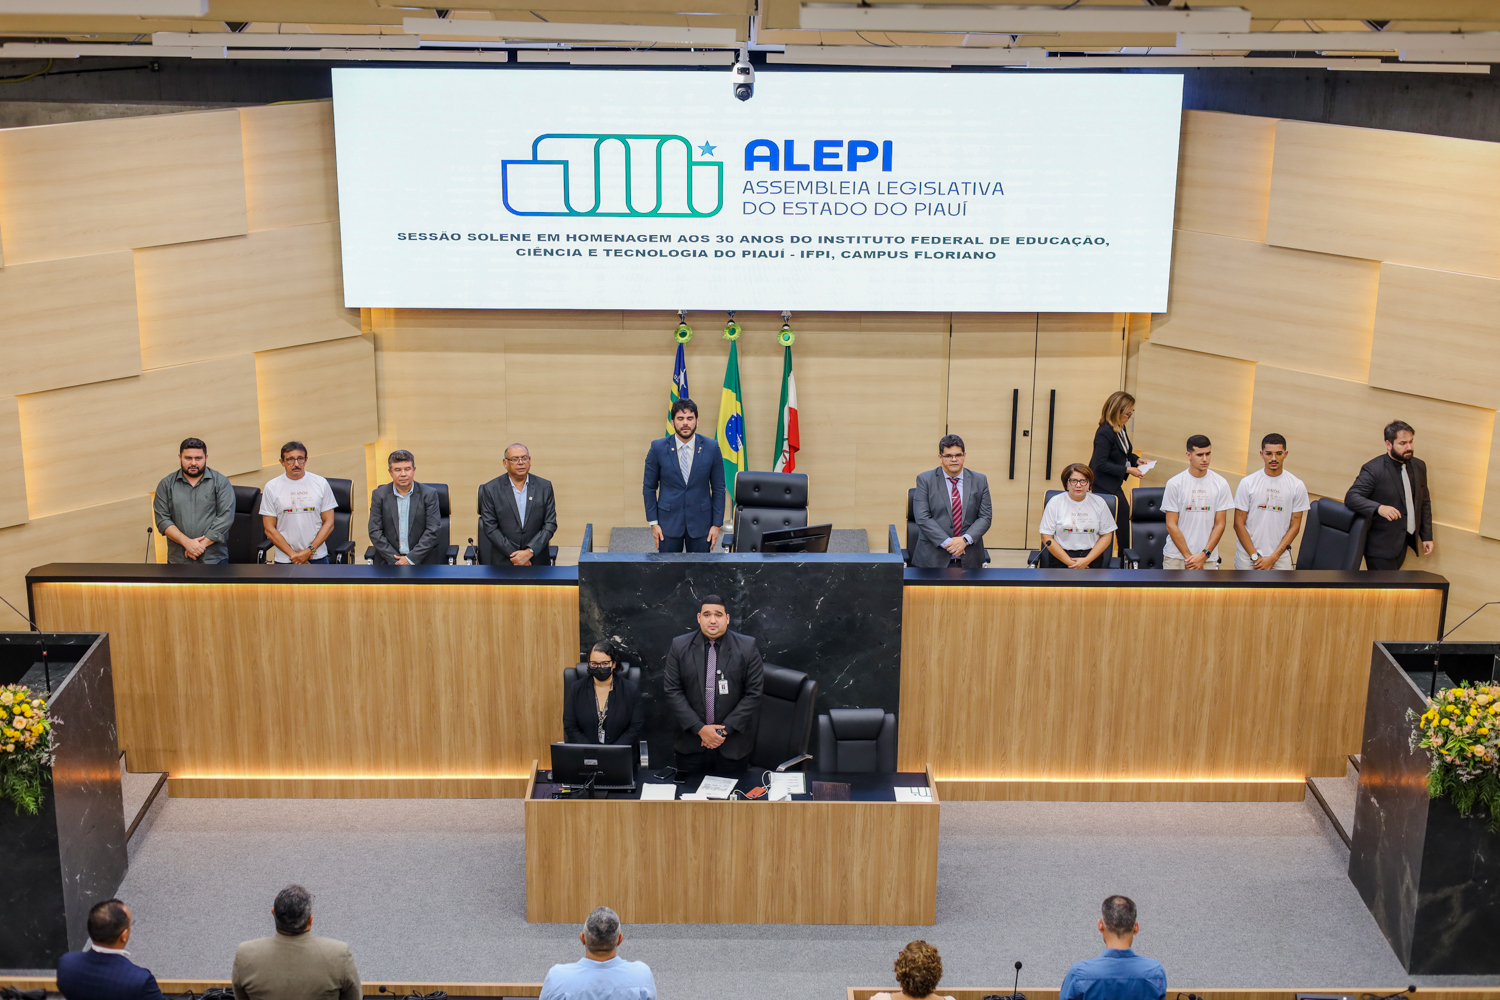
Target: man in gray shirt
[195, 508]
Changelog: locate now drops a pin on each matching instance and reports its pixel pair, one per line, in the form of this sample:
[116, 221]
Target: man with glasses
[297, 508]
[517, 512]
[952, 508]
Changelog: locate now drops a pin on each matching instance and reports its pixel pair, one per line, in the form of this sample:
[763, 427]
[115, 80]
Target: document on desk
[658, 793]
[715, 788]
[919, 794]
[784, 786]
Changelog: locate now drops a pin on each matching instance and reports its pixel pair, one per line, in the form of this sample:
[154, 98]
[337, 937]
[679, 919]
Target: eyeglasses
[296, 461]
[1078, 482]
[601, 663]
[523, 458]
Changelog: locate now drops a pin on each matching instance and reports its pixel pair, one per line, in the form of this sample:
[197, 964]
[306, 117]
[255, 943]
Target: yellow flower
[37, 729]
[1484, 730]
[1469, 720]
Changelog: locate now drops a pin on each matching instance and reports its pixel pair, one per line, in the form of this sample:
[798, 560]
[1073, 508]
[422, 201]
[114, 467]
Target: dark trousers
[1122, 512]
[711, 762]
[1391, 562]
[681, 544]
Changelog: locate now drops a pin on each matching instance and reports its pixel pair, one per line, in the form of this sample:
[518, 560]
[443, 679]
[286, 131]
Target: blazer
[933, 507]
[1110, 461]
[500, 518]
[684, 509]
[624, 713]
[295, 965]
[738, 711]
[422, 523]
[93, 975]
[1379, 483]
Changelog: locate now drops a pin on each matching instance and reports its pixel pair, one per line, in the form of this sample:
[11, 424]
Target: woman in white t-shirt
[1077, 527]
[918, 969]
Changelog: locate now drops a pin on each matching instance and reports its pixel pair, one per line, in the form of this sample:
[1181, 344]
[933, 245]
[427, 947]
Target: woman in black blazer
[603, 707]
[1113, 460]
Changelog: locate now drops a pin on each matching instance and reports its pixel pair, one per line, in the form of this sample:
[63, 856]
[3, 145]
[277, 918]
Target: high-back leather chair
[786, 716]
[441, 553]
[1148, 528]
[1334, 537]
[857, 741]
[1043, 559]
[340, 547]
[248, 531]
[767, 501]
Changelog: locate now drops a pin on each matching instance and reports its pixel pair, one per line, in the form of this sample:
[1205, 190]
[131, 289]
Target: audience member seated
[1118, 973]
[292, 964]
[1077, 527]
[603, 707]
[600, 974]
[103, 969]
[918, 969]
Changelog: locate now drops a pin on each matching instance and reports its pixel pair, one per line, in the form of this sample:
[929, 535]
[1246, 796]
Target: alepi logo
[613, 175]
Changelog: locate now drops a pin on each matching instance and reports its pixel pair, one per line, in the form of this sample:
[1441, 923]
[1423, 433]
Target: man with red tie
[713, 684]
[952, 508]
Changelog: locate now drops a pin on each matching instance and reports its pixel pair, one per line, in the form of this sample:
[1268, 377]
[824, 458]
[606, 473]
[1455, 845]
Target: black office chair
[441, 554]
[248, 532]
[1334, 537]
[1148, 528]
[857, 741]
[786, 716]
[911, 525]
[340, 547]
[767, 501]
[484, 553]
[1043, 559]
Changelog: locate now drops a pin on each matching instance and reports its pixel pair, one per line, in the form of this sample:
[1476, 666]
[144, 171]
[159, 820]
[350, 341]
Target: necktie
[1411, 508]
[710, 675]
[685, 460]
[958, 507]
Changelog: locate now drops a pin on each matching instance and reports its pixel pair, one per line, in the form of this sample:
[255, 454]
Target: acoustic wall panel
[1181, 393]
[111, 532]
[1310, 311]
[96, 443]
[1468, 561]
[1437, 333]
[13, 485]
[259, 292]
[289, 167]
[68, 322]
[1489, 518]
[93, 187]
[320, 394]
[1402, 197]
[1224, 174]
[1333, 427]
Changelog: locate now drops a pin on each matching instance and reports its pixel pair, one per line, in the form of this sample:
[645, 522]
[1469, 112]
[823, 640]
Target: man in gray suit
[953, 512]
[404, 515]
[517, 512]
[714, 682]
[292, 964]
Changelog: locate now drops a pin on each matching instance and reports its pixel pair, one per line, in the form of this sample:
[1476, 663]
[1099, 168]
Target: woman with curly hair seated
[918, 969]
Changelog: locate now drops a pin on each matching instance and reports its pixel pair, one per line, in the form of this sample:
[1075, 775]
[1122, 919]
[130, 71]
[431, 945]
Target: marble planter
[1430, 877]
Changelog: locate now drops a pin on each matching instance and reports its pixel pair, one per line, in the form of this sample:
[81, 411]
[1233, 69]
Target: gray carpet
[640, 540]
[1230, 895]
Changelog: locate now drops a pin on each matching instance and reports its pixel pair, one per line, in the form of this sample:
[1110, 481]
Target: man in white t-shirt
[1268, 511]
[297, 508]
[1196, 502]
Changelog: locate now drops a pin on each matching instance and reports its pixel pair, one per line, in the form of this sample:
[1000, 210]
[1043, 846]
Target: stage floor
[1231, 895]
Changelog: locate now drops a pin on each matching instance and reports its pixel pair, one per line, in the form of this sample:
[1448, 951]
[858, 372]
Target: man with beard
[1391, 491]
[194, 508]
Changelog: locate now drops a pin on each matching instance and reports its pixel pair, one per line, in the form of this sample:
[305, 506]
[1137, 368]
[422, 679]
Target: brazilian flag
[732, 421]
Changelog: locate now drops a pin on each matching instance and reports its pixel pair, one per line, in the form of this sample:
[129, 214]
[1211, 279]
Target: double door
[1024, 392]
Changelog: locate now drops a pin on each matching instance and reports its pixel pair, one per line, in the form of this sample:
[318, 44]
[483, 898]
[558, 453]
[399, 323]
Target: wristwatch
[1255, 557]
[1207, 552]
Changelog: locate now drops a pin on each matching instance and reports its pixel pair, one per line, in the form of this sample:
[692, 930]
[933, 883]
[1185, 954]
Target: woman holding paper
[1113, 460]
[603, 707]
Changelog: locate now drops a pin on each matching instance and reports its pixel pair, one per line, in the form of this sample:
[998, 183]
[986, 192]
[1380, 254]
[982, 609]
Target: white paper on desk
[918, 794]
[658, 793]
[784, 786]
[1146, 467]
[715, 788]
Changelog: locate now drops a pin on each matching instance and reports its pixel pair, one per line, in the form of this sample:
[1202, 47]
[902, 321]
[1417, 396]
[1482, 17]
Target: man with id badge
[713, 684]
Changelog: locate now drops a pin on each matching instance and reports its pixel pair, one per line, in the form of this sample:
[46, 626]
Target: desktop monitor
[611, 767]
[813, 538]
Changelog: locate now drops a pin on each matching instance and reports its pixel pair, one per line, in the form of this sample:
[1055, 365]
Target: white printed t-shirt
[1077, 525]
[1195, 500]
[298, 507]
[1269, 503]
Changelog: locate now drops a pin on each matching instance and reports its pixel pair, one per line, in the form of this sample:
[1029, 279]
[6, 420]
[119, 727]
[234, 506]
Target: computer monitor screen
[813, 538]
[610, 766]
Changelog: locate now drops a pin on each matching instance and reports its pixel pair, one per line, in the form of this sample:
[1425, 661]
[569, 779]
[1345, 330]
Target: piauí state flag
[679, 387]
[732, 421]
[788, 440]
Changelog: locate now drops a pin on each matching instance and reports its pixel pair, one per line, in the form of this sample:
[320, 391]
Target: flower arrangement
[1461, 733]
[27, 751]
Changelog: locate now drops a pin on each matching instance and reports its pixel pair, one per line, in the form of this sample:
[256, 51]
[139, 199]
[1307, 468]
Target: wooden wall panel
[216, 298]
[68, 322]
[1437, 333]
[1224, 174]
[93, 187]
[1489, 518]
[1468, 560]
[13, 486]
[320, 394]
[1402, 197]
[289, 168]
[1182, 393]
[1333, 427]
[1241, 299]
[111, 532]
[91, 444]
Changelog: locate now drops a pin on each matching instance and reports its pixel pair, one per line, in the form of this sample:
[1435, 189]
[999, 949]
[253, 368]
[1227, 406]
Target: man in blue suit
[103, 970]
[684, 485]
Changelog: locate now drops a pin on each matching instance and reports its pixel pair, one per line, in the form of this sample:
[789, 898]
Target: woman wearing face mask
[603, 707]
[1077, 527]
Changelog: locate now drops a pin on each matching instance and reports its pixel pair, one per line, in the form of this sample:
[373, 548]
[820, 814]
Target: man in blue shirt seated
[1118, 973]
[103, 970]
[600, 974]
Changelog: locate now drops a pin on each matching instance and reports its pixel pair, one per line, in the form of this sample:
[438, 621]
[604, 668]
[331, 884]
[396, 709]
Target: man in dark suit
[517, 512]
[103, 970]
[713, 685]
[404, 515]
[1392, 491]
[946, 538]
[684, 486]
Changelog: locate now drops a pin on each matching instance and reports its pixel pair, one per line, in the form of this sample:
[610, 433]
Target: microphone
[1436, 649]
[1015, 990]
[150, 549]
[471, 549]
[793, 762]
[17, 610]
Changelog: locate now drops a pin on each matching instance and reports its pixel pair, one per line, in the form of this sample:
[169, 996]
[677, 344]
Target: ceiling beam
[564, 32]
[1013, 20]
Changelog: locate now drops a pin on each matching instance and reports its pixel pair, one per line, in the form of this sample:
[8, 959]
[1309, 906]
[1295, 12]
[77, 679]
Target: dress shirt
[202, 511]
[403, 513]
[1411, 506]
[948, 488]
[586, 979]
[520, 494]
[1116, 974]
[91, 946]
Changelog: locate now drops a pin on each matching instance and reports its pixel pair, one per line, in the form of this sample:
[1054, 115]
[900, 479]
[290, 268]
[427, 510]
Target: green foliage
[1484, 793]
